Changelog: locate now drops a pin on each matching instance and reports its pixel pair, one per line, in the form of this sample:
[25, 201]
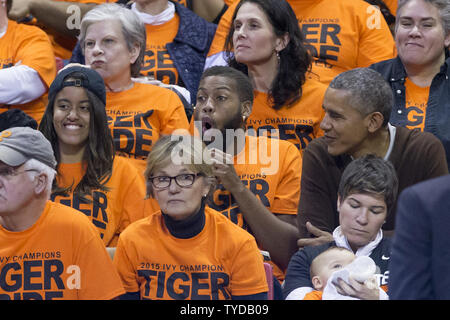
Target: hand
[321, 237]
[19, 9]
[224, 171]
[357, 289]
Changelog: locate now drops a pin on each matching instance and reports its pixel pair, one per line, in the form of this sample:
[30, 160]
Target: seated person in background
[27, 65]
[113, 39]
[16, 118]
[176, 45]
[187, 250]
[341, 35]
[287, 104]
[365, 199]
[54, 248]
[357, 107]
[258, 177]
[419, 75]
[106, 188]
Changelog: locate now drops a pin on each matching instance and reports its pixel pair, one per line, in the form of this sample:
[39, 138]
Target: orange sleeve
[35, 51]
[175, 116]
[376, 42]
[288, 190]
[222, 30]
[313, 295]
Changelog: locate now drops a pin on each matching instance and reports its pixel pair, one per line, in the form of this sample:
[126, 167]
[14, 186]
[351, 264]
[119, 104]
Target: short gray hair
[133, 28]
[369, 92]
[443, 7]
[39, 167]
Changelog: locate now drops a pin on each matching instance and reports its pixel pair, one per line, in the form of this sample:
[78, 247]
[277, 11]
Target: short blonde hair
[317, 263]
[179, 149]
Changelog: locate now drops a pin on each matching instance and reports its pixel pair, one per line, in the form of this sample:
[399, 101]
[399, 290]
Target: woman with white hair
[113, 40]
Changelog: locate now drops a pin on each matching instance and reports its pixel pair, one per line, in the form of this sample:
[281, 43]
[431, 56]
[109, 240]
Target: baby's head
[326, 263]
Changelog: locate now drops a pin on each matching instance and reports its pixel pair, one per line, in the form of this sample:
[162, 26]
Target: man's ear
[246, 108]
[317, 283]
[41, 183]
[374, 121]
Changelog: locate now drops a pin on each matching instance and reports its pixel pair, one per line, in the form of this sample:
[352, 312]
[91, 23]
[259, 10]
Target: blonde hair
[317, 262]
[179, 149]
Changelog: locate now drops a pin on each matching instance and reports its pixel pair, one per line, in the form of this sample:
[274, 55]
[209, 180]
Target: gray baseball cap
[19, 144]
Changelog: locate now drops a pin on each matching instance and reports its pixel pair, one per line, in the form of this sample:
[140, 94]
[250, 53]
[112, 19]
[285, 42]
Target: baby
[334, 259]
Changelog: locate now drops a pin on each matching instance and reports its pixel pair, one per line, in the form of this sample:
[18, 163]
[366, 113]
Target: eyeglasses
[6, 172]
[183, 180]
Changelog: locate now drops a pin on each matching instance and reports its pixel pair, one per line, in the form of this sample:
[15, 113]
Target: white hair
[39, 167]
[132, 27]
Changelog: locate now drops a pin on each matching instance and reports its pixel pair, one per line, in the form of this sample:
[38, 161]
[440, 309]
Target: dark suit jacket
[420, 257]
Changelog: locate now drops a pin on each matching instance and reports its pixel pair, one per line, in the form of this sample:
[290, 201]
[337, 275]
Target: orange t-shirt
[416, 100]
[271, 169]
[313, 295]
[392, 6]
[157, 62]
[221, 261]
[342, 35]
[29, 46]
[111, 211]
[59, 257]
[298, 124]
[139, 116]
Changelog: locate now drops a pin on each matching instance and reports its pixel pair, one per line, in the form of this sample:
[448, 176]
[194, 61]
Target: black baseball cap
[91, 81]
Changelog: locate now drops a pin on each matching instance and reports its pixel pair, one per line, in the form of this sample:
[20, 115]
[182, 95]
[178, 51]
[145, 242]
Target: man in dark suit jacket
[420, 258]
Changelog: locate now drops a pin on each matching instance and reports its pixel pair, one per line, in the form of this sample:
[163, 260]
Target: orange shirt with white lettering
[29, 46]
[416, 100]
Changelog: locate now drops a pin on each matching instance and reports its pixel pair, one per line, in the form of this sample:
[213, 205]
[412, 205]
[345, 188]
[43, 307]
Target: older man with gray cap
[47, 250]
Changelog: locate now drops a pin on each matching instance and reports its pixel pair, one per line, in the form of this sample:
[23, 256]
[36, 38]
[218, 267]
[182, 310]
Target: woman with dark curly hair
[265, 41]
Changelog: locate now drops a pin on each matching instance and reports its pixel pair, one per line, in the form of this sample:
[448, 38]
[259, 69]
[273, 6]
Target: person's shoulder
[437, 186]
[358, 6]
[383, 66]
[138, 229]
[414, 139]
[153, 91]
[26, 30]
[312, 84]
[227, 227]
[124, 166]
[65, 217]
